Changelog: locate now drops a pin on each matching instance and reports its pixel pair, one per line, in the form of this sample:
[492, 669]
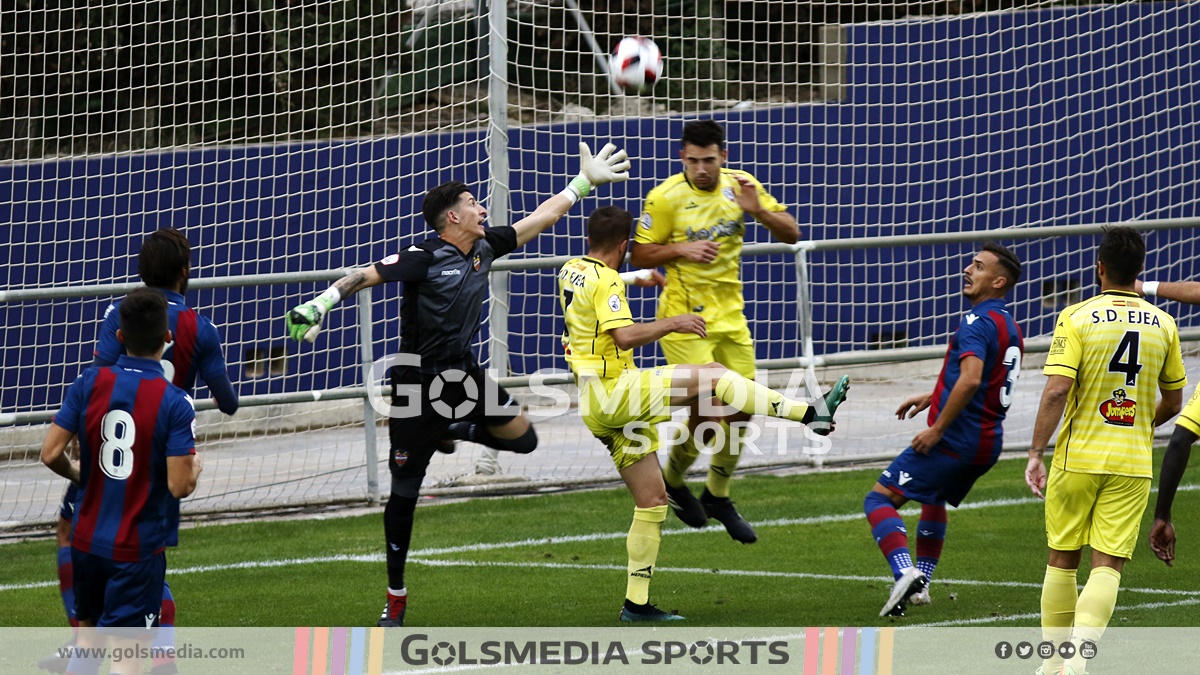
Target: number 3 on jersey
[1012, 361]
[1125, 359]
[116, 452]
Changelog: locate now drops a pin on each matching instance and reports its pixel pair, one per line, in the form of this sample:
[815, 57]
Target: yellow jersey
[592, 296]
[1119, 349]
[676, 211]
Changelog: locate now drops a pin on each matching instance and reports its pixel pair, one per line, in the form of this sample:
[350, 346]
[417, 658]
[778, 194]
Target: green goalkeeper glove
[304, 321]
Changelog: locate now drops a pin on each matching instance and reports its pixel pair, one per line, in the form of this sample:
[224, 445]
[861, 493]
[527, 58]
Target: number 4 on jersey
[1125, 359]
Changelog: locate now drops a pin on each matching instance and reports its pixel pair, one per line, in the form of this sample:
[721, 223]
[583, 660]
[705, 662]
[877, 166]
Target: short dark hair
[439, 200]
[165, 254]
[608, 226]
[1123, 252]
[143, 316]
[1009, 262]
[703, 133]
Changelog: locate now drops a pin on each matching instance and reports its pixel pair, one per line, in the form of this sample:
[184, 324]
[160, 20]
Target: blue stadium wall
[925, 140]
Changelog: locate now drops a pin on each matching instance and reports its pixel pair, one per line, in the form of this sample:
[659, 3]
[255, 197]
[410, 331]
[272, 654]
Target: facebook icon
[1003, 650]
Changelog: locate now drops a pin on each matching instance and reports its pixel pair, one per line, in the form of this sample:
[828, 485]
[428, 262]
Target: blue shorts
[933, 478]
[66, 510]
[115, 594]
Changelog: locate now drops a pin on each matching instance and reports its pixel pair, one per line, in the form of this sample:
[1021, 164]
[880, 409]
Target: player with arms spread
[1108, 356]
[136, 453]
[445, 282]
[621, 405]
[965, 429]
[694, 223]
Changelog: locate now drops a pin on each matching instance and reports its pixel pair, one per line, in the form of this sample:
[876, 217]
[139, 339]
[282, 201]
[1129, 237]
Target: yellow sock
[642, 545]
[751, 397]
[1093, 610]
[722, 464]
[682, 456]
[1059, 596]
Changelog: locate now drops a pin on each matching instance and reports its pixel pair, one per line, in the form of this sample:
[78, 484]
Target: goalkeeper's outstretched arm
[610, 165]
[304, 321]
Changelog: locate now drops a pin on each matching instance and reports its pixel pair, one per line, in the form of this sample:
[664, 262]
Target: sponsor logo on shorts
[400, 457]
[1119, 411]
[904, 477]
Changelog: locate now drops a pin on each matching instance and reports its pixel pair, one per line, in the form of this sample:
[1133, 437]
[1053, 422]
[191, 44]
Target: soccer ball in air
[636, 64]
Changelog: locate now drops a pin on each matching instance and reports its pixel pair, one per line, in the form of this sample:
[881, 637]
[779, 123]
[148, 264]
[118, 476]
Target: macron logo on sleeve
[971, 318]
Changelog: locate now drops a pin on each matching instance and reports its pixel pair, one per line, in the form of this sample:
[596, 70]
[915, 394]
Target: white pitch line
[1034, 615]
[761, 573]
[778, 522]
[812, 520]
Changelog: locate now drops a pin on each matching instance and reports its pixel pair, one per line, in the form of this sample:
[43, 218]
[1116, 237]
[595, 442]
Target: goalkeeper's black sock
[479, 433]
[397, 526]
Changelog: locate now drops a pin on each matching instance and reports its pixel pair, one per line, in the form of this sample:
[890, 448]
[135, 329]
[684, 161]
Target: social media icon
[1066, 650]
[1088, 650]
[1003, 650]
[1046, 650]
[1024, 650]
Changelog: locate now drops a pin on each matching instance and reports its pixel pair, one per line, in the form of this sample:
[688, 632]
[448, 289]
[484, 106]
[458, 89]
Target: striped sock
[66, 583]
[165, 637]
[931, 536]
[888, 529]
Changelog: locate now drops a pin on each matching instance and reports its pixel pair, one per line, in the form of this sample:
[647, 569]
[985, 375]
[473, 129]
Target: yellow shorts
[623, 412]
[1098, 510]
[733, 349]
[1189, 418]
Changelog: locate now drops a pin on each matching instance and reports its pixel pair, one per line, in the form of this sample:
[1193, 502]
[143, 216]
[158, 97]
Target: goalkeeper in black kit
[445, 284]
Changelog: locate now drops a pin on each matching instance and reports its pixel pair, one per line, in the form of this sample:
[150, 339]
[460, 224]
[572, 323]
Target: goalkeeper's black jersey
[444, 292]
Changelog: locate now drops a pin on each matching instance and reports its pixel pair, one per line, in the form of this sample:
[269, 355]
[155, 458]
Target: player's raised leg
[748, 396]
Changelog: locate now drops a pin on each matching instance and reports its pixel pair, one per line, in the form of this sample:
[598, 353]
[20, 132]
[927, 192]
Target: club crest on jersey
[1119, 410]
[728, 193]
[476, 263]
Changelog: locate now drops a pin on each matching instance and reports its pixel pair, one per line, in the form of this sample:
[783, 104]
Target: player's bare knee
[649, 500]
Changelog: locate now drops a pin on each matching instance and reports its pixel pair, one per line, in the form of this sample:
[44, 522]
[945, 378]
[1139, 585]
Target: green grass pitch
[492, 562]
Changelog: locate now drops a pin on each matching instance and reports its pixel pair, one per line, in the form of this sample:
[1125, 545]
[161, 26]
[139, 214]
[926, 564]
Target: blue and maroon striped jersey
[989, 333]
[129, 419]
[195, 350]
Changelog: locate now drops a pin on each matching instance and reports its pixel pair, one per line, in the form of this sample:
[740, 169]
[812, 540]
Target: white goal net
[299, 137]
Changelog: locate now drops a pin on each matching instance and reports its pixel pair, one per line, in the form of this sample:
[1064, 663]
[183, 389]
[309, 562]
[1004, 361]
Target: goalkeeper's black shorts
[466, 395]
